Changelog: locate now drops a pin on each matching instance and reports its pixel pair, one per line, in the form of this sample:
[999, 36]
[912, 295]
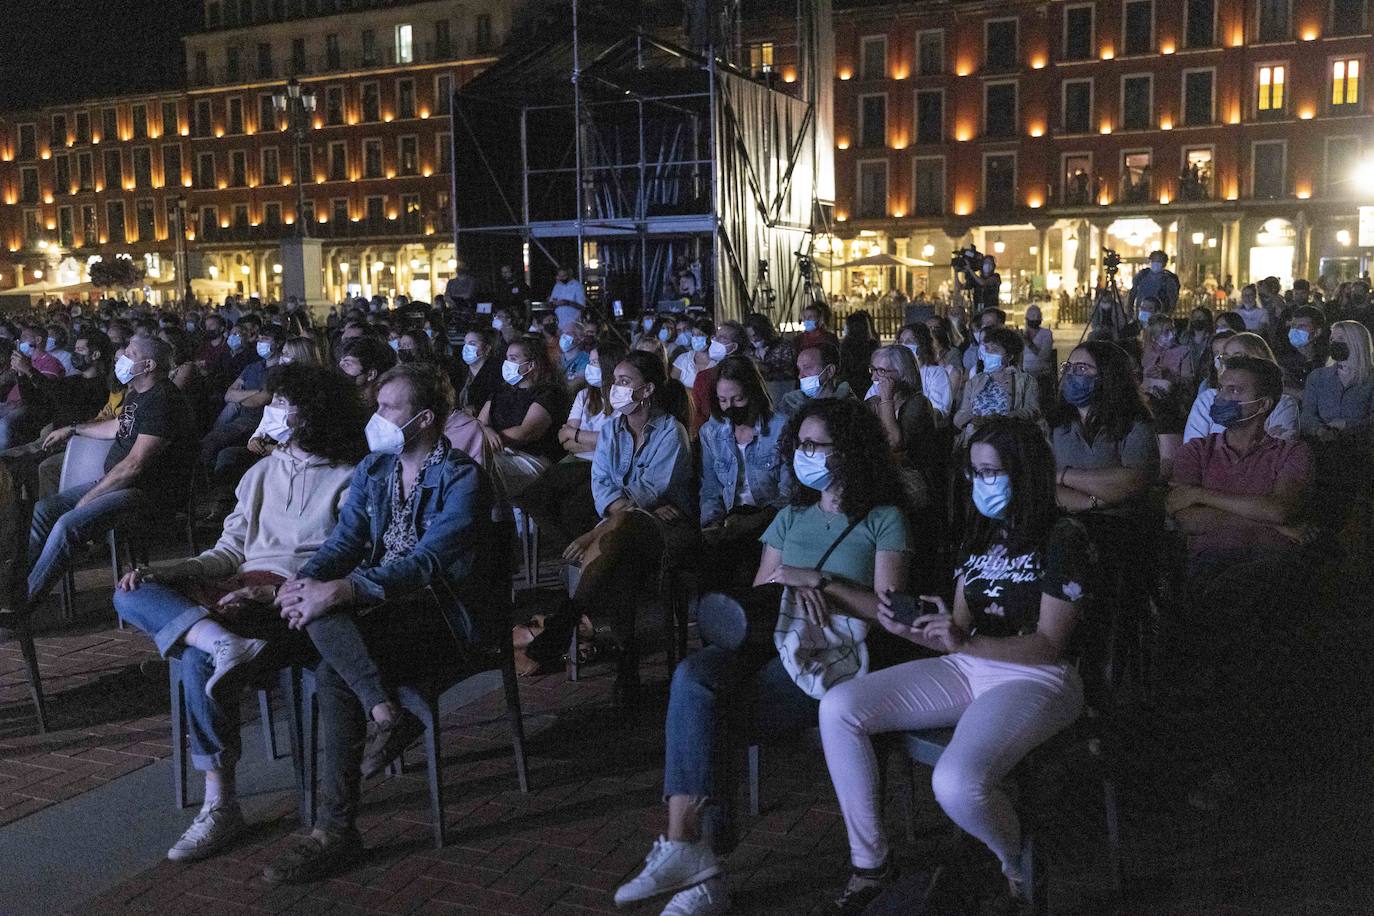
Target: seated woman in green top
[842, 519]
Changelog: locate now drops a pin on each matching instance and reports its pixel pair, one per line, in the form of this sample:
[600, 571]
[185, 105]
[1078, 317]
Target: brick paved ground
[1296, 844]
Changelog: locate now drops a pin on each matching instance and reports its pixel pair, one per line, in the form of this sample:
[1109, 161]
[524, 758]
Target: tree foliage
[116, 273]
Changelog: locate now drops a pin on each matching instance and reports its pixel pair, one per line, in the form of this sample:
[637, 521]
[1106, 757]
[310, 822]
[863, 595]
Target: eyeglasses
[1067, 368]
[986, 475]
[878, 372]
[809, 448]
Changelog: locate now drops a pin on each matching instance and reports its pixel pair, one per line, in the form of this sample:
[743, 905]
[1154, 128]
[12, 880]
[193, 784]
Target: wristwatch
[1094, 502]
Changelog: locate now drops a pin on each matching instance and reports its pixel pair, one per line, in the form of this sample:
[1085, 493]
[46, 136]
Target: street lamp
[297, 103]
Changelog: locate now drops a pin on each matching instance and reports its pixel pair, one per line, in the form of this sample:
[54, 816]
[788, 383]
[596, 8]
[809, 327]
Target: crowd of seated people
[359, 465]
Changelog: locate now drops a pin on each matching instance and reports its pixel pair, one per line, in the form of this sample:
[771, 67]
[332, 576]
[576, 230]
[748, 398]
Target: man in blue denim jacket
[417, 517]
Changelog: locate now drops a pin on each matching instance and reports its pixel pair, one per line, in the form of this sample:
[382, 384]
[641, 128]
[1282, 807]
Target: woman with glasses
[1003, 676]
[841, 544]
[1001, 389]
[896, 399]
[1281, 424]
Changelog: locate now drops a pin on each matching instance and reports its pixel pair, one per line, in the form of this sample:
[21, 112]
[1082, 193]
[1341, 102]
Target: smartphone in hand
[906, 608]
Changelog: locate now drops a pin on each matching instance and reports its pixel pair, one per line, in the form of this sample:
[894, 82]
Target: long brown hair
[609, 352]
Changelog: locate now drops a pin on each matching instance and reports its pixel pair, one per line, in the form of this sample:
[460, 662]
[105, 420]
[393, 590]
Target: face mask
[51, 343]
[1156, 267]
[81, 362]
[992, 499]
[872, 391]
[1340, 351]
[566, 343]
[284, 360]
[914, 352]
[1200, 324]
[395, 344]
[124, 370]
[535, 329]
[190, 327]
[739, 416]
[274, 424]
[808, 326]
[470, 354]
[811, 471]
[264, 349]
[664, 334]
[25, 347]
[1299, 337]
[648, 323]
[497, 324]
[405, 356]
[811, 385]
[716, 351]
[76, 313]
[991, 361]
[622, 399]
[213, 333]
[1032, 323]
[1145, 315]
[511, 372]
[699, 343]
[1165, 340]
[235, 341]
[384, 436]
[1226, 414]
[593, 375]
[684, 339]
[429, 332]
[1079, 389]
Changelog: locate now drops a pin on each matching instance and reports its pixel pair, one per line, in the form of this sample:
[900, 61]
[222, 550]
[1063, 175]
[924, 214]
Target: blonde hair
[1253, 345]
[301, 351]
[1361, 359]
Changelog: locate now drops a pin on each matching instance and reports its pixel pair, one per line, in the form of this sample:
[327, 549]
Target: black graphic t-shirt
[1003, 591]
[161, 411]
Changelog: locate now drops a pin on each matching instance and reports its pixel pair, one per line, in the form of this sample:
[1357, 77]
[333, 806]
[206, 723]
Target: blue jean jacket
[769, 479]
[453, 524]
[659, 473]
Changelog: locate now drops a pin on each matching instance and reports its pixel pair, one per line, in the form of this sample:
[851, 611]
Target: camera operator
[1154, 282]
[980, 278]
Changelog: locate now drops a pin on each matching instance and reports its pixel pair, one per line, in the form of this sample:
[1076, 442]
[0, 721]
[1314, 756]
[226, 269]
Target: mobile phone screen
[905, 608]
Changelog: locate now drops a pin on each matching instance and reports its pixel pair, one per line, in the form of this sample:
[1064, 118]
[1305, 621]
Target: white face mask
[497, 324]
[716, 351]
[274, 424]
[470, 353]
[384, 436]
[593, 376]
[283, 360]
[510, 371]
[124, 370]
[622, 399]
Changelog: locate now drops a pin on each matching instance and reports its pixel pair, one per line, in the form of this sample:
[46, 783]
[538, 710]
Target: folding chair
[83, 463]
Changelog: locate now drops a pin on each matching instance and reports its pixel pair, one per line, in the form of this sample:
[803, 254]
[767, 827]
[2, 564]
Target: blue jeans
[712, 684]
[58, 527]
[165, 614]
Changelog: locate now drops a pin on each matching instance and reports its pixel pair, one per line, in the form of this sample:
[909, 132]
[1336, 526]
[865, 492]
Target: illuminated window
[405, 44]
[1345, 83]
[1270, 94]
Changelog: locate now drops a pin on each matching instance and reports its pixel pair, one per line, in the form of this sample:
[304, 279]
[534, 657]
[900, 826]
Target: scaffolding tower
[620, 152]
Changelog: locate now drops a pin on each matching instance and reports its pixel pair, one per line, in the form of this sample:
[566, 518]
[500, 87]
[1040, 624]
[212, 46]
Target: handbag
[818, 656]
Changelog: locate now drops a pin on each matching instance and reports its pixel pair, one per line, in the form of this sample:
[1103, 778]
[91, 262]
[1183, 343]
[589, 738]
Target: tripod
[1108, 310]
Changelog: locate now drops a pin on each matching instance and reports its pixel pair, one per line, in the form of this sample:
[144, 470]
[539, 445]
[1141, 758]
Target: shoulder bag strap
[831, 549]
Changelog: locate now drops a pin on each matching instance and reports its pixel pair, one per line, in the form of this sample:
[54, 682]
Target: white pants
[1000, 711]
[518, 470]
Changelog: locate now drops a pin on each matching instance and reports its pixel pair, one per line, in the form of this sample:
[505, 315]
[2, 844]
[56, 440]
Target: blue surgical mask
[991, 361]
[1299, 337]
[395, 344]
[808, 326]
[810, 385]
[992, 499]
[811, 470]
[1079, 389]
[52, 343]
[700, 342]
[593, 375]
[470, 353]
[25, 347]
[664, 334]
[190, 327]
[1227, 414]
[566, 343]
[264, 349]
[235, 341]
[1145, 315]
[684, 339]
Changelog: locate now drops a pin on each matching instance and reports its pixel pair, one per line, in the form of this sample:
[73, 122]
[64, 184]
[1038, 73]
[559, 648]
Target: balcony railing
[413, 225]
[317, 65]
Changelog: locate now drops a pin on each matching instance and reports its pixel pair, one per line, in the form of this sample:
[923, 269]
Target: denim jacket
[769, 479]
[452, 519]
[660, 472]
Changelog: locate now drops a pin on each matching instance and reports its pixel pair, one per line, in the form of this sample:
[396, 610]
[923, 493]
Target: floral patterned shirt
[401, 536]
[1003, 590]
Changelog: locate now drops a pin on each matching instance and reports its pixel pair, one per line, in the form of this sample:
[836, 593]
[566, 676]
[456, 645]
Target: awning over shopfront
[50, 289]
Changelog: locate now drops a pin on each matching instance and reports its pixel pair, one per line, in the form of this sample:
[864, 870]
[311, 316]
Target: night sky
[65, 50]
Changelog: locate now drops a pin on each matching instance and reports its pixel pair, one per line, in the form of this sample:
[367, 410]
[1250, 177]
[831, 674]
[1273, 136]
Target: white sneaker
[233, 658]
[709, 898]
[670, 866]
[210, 832]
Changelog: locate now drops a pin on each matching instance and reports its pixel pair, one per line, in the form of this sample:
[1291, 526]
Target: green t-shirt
[804, 534]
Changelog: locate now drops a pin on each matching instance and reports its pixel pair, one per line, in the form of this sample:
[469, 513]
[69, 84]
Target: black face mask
[405, 356]
[1032, 324]
[82, 361]
[1199, 324]
[1340, 351]
[740, 416]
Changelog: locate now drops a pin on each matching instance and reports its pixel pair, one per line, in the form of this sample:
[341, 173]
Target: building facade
[217, 161]
[1230, 134]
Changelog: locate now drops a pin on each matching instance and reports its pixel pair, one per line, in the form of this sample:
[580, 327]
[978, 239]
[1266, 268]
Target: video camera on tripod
[1111, 263]
[1109, 312]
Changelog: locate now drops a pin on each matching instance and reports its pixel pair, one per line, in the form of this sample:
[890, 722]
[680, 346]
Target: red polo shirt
[1213, 465]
